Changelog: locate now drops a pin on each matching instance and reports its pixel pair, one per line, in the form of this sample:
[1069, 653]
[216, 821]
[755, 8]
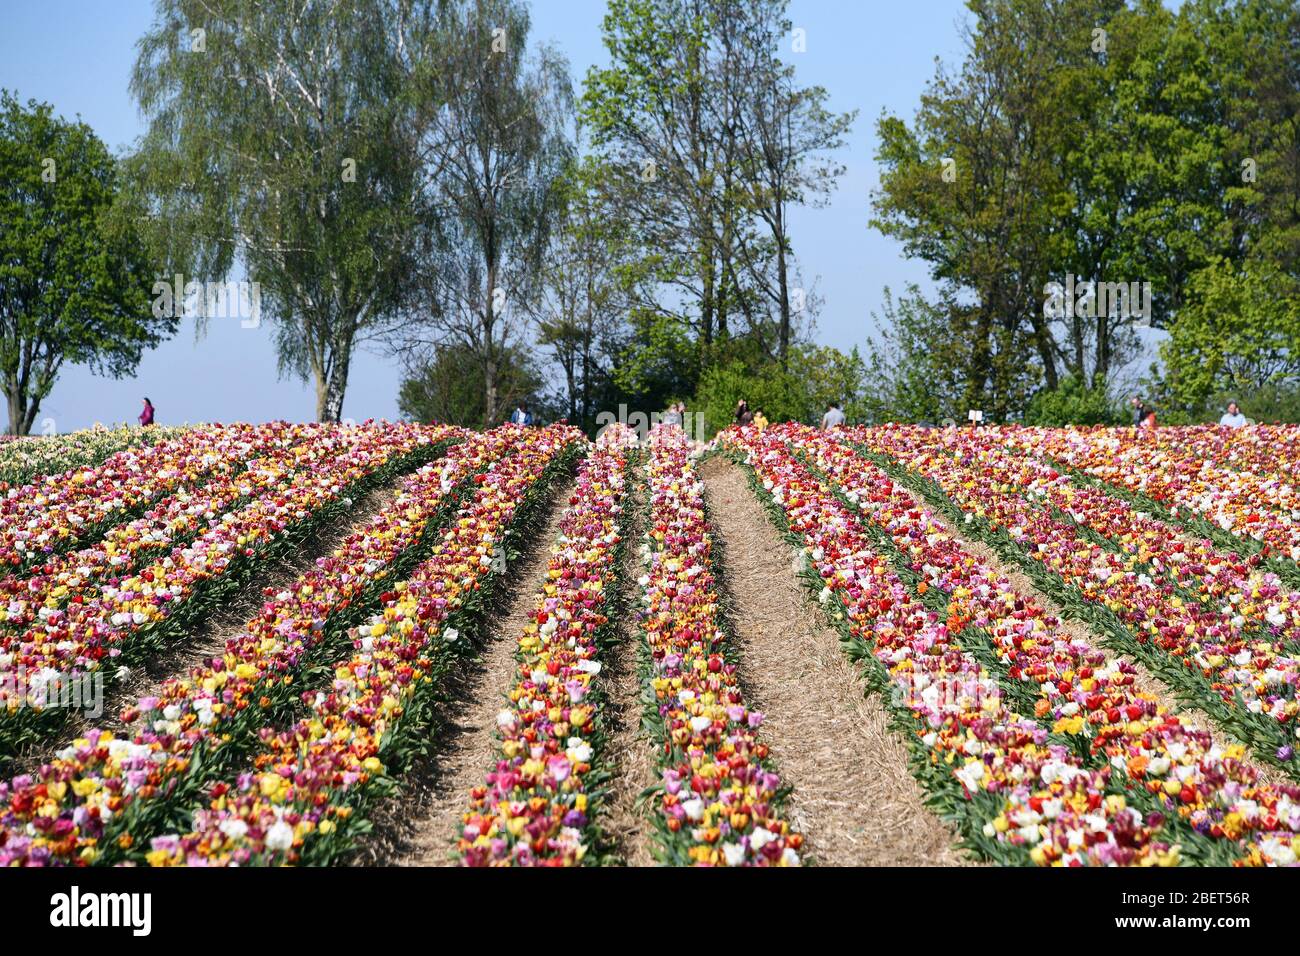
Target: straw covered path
[854, 799]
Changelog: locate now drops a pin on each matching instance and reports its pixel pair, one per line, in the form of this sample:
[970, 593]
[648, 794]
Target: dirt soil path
[419, 828]
[854, 799]
[629, 751]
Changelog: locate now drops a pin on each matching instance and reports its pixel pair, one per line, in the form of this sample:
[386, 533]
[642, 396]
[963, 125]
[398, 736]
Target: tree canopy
[74, 278]
[286, 137]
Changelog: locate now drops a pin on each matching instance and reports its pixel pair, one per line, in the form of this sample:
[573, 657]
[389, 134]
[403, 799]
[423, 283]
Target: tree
[1121, 143]
[1072, 402]
[976, 186]
[449, 388]
[648, 115]
[787, 136]
[814, 376]
[582, 306]
[919, 361]
[708, 142]
[1238, 334]
[500, 148]
[287, 135]
[73, 278]
[1151, 178]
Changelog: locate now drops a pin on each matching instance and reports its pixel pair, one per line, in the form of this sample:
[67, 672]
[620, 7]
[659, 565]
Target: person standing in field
[1139, 410]
[521, 415]
[833, 418]
[743, 415]
[146, 415]
[1233, 418]
[760, 420]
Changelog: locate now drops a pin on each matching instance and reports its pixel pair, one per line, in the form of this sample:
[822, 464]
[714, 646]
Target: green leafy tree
[1073, 402]
[708, 142]
[500, 147]
[450, 388]
[814, 376]
[287, 135]
[73, 277]
[922, 364]
[659, 362]
[973, 186]
[1238, 334]
[581, 315]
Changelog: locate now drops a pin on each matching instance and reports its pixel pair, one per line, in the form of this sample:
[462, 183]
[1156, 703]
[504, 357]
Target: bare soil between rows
[420, 827]
[854, 798]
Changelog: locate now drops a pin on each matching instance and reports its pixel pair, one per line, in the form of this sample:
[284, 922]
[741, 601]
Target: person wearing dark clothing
[743, 415]
[1140, 411]
[146, 416]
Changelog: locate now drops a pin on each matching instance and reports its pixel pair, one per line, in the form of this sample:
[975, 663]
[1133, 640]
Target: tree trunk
[333, 385]
[19, 418]
[571, 385]
[586, 382]
[1043, 344]
[706, 305]
[490, 364]
[783, 347]
[490, 398]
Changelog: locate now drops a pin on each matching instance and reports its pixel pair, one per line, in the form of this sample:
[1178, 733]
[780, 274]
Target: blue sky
[871, 55]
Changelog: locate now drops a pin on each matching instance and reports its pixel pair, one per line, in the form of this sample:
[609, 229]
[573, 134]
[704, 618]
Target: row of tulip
[1244, 589]
[91, 802]
[79, 636]
[537, 805]
[38, 592]
[1266, 451]
[88, 646]
[304, 801]
[24, 459]
[57, 511]
[720, 800]
[1018, 793]
[1241, 588]
[1263, 512]
[1182, 772]
[1240, 674]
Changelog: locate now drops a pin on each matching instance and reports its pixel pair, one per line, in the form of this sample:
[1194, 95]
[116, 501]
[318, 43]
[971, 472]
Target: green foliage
[583, 303]
[1072, 402]
[499, 144]
[1161, 152]
[921, 362]
[659, 362]
[451, 387]
[706, 142]
[73, 278]
[1239, 333]
[290, 141]
[816, 376]
[1272, 403]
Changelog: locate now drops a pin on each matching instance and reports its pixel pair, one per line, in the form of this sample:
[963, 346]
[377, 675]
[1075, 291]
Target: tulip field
[1086, 641]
